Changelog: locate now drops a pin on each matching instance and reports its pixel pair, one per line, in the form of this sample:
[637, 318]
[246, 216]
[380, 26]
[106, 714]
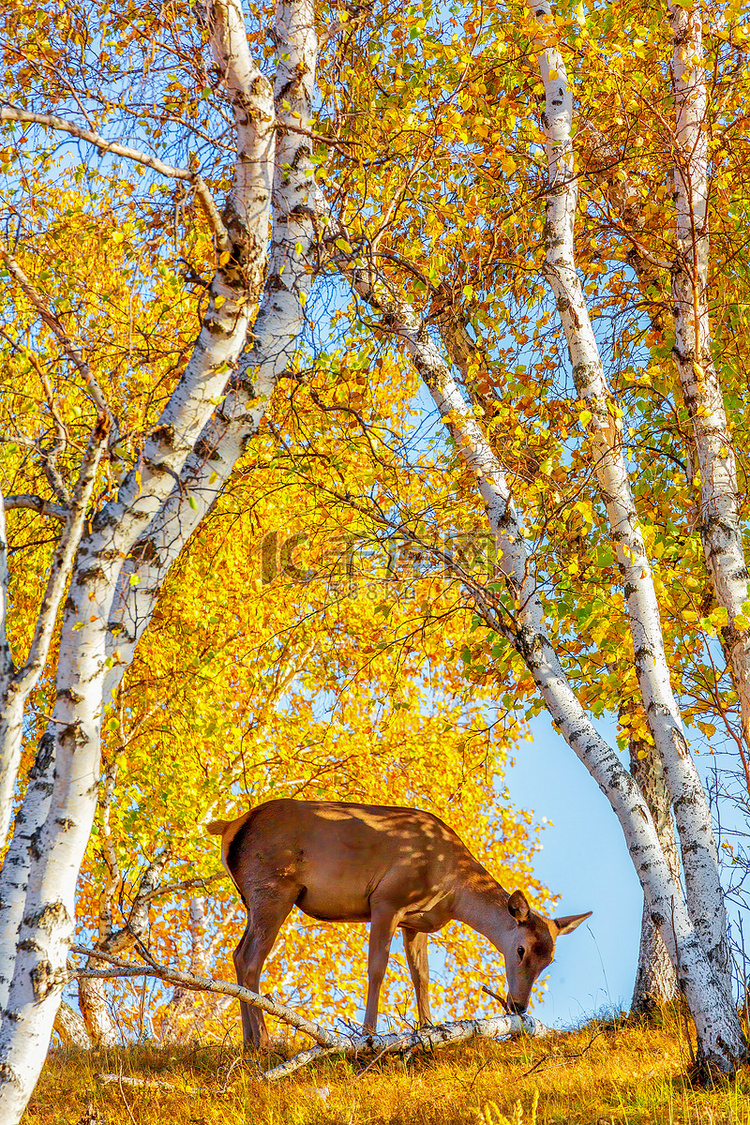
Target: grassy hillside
[608, 1072]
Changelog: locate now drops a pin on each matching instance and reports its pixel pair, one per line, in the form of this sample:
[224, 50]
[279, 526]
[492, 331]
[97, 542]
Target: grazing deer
[391, 867]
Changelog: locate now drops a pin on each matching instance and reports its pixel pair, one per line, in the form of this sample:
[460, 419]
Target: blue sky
[583, 859]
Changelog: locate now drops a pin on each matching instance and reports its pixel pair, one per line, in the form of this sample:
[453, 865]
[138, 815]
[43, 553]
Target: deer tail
[217, 827]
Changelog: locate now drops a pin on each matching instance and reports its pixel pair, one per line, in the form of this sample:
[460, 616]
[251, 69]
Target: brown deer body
[391, 867]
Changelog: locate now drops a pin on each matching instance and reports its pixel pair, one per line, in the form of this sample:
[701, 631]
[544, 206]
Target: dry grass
[609, 1072]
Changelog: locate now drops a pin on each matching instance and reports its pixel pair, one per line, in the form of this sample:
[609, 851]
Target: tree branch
[36, 504]
[203, 984]
[52, 322]
[24, 116]
[429, 1038]
[328, 1042]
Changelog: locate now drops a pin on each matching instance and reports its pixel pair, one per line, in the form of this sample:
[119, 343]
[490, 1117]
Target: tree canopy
[383, 369]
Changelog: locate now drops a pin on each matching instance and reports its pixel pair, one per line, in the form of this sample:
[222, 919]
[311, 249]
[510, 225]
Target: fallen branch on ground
[429, 1038]
[123, 1080]
[329, 1043]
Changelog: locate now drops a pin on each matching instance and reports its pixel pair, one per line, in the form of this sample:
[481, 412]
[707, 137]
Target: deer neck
[482, 904]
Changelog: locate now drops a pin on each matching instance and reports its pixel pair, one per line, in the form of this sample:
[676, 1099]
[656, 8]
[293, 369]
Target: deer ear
[567, 925]
[518, 907]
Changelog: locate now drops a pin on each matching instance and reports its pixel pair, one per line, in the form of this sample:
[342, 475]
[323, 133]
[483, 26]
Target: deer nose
[516, 1007]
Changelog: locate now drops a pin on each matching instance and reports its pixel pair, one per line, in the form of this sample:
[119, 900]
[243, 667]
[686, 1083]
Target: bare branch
[25, 116]
[328, 1042]
[659, 263]
[36, 504]
[185, 885]
[138, 1083]
[52, 322]
[206, 200]
[203, 984]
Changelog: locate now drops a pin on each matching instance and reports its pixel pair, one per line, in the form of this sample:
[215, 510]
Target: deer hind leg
[265, 918]
[415, 947]
[383, 922]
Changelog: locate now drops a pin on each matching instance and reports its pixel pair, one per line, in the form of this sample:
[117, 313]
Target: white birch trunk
[23, 847]
[519, 617]
[33, 812]
[18, 685]
[720, 518]
[94, 1002]
[92, 991]
[277, 329]
[81, 666]
[655, 979]
[46, 927]
[71, 1028]
[183, 1002]
[699, 852]
[6, 661]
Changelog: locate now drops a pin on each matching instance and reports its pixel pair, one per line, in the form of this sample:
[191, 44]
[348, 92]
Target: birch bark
[719, 516]
[6, 662]
[699, 852]
[71, 1028]
[20, 683]
[277, 328]
[14, 876]
[655, 979]
[720, 1038]
[73, 736]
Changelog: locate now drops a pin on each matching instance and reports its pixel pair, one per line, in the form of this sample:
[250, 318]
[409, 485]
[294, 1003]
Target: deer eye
[520, 951]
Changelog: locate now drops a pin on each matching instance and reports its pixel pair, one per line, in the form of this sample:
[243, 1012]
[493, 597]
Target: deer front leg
[383, 924]
[415, 947]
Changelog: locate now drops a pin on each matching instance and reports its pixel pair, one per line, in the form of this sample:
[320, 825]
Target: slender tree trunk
[20, 683]
[655, 979]
[71, 1028]
[6, 662]
[95, 1004]
[189, 1013]
[602, 419]
[518, 615]
[291, 269]
[73, 736]
[183, 1003]
[720, 527]
[32, 814]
